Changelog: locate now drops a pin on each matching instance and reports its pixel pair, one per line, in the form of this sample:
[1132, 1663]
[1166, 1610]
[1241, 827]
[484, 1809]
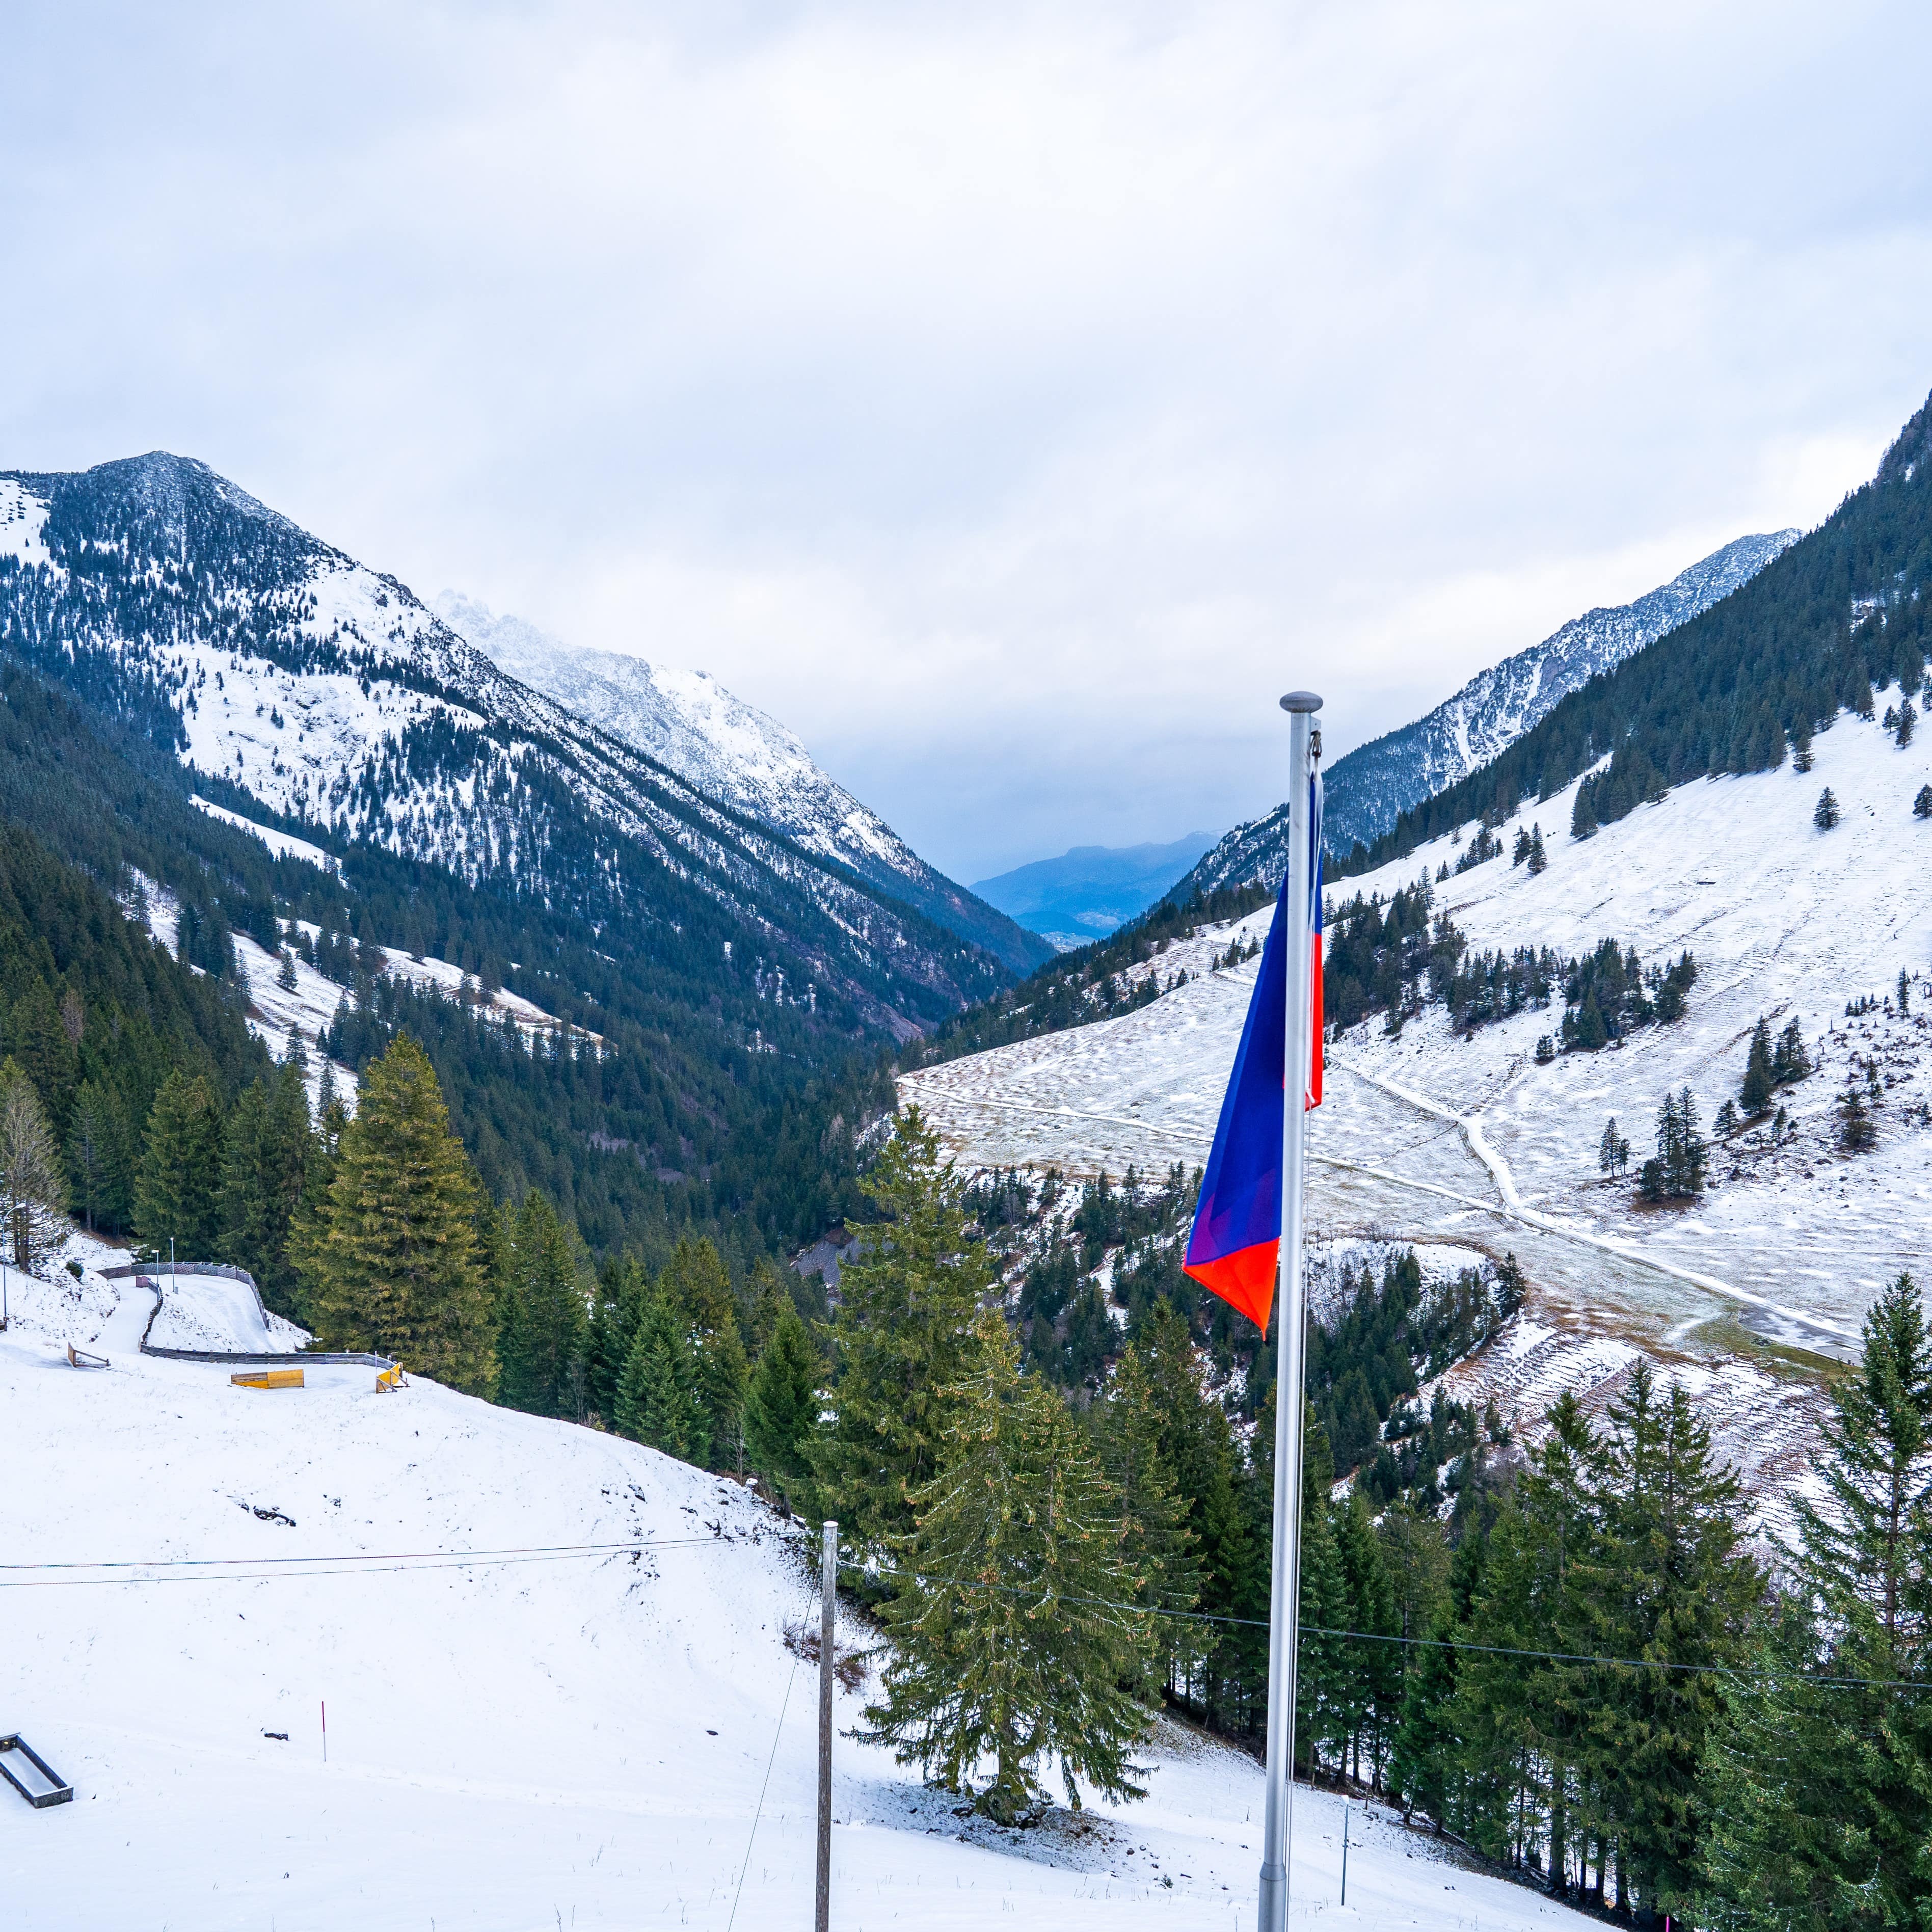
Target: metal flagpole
[1285, 1607]
[828, 1626]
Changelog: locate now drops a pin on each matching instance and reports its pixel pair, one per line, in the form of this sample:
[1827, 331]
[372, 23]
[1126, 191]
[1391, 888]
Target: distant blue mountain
[1085, 893]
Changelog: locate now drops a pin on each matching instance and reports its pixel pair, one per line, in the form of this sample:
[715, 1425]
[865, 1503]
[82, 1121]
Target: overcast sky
[1012, 399]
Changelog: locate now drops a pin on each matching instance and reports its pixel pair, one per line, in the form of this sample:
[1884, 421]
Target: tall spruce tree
[1760, 1073]
[398, 1267]
[781, 1409]
[1820, 1803]
[540, 1342]
[1155, 1542]
[1006, 1642]
[622, 1285]
[178, 1191]
[905, 1330]
[265, 1154]
[658, 1401]
[99, 1157]
[695, 1282]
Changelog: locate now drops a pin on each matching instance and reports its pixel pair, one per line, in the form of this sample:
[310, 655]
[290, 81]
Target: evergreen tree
[1825, 814]
[285, 974]
[695, 1282]
[1802, 756]
[1612, 1149]
[1370, 1671]
[1155, 1542]
[1921, 802]
[178, 1190]
[905, 1330]
[1904, 990]
[1727, 1122]
[1789, 1061]
[1424, 1770]
[398, 1267]
[264, 1152]
[1907, 719]
[1670, 1582]
[33, 1183]
[657, 1395]
[1583, 813]
[1856, 1133]
[1820, 1799]
[98, 1157]
[1521, 850]
[1006, 1644]
[540, 1344]
[1754, 1094]
[1539, 859]
[782, 1404]
[622, 1286]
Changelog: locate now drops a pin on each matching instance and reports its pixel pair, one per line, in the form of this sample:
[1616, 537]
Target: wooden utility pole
[828, 1621]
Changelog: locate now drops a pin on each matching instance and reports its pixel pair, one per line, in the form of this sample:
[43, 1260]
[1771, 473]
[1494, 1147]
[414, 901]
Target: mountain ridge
[1367, 789]
[689, 722]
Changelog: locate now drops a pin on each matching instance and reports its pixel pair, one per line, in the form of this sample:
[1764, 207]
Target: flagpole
[1284, 1605]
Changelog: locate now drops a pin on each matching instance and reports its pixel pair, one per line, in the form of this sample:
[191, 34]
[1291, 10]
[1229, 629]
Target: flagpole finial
[1301, 700]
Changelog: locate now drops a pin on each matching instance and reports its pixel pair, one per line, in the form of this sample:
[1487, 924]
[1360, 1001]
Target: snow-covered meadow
[1433, 1136]
[539, 1740]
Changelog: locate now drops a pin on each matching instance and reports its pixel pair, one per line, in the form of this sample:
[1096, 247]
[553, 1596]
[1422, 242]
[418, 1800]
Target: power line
[273, 1569]
[784, 1704]
[1420, 1642]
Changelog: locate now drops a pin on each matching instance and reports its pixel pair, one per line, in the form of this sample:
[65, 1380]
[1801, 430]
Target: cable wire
[784, 1704]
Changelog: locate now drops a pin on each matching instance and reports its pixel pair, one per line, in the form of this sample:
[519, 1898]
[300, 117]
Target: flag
[1235, 1247]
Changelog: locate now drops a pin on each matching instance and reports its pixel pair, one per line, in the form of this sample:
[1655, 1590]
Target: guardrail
[145, 1275]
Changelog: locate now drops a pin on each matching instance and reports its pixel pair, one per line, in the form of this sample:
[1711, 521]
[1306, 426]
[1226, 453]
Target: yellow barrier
[392, 1378]
[269, 1379]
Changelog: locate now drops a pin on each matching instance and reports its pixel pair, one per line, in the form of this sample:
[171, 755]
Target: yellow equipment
[392, 1378]
[269, 1379]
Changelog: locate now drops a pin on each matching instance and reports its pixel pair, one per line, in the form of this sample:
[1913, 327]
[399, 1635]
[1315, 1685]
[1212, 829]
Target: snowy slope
[546, 1741]
[1370, 788]
[1435, 1136]
[336, 699]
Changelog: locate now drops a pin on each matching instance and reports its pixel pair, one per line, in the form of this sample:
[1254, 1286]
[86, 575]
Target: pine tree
[540, 1344]
[1904, 990]
[1671, 1582]
[1790, 1061]
[1583, 814]
[98, 1158]
[1611, 1149]
[1155, 1542]
[1371, 1672]
[657, 1395]
[1856, 1134]
[1006, 1643]
[264, 1152]
[1907, 719]
[1826, 815]
[905, 1330]
[399, 1268]
[1802, 756]
[1820, 1794]
[1921, 802]
[1539, 859]
[285, 974]
[1754, 1094]
[33, 1184]
[1521, 850]
[177, 1192]
[782, 1404]
[696, 1283]
[622, 1286]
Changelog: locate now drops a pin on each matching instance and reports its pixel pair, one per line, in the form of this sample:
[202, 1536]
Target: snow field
[515, 1746]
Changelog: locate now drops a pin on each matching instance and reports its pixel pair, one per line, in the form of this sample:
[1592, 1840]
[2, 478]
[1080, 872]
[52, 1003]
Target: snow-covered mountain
[297, 682]
[1370, 788]
[688, 721]
[1436, 1134]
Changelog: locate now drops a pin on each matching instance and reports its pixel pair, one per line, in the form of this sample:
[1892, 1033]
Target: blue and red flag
[1235, 1248]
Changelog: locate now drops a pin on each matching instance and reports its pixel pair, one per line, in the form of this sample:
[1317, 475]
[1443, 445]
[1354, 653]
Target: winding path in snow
[1835, 1334]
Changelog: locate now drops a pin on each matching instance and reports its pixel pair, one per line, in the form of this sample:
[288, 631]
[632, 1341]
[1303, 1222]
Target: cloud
[1013, 400]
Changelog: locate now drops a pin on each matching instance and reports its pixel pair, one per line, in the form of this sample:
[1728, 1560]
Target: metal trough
[269, 1379]
[35, 1780]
